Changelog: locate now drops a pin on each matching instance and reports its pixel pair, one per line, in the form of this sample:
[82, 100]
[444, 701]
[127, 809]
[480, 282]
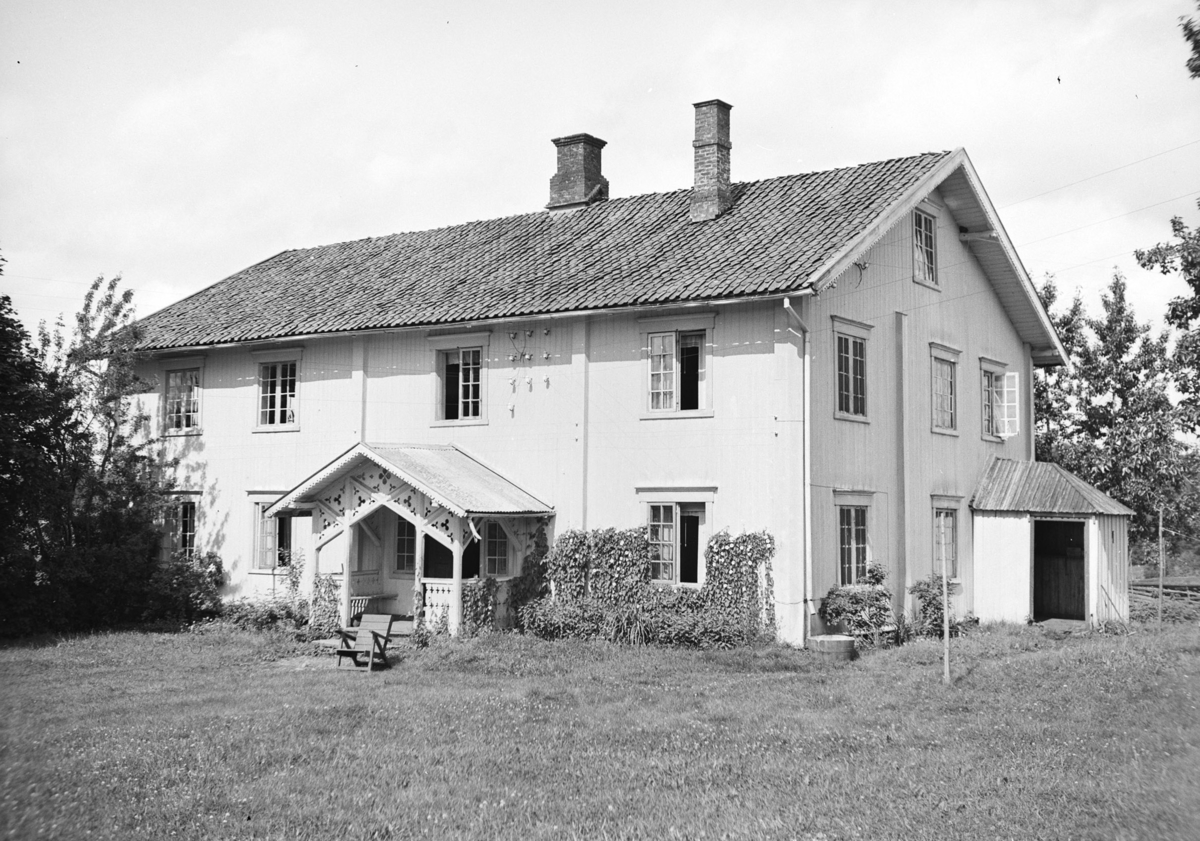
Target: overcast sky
[176, 143]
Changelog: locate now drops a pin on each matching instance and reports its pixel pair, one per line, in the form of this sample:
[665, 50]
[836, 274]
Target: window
[945, 541]
[677, 372]
[183, 401]
[181, 528]
[272, 539]
[850, 368]
[1001, 398]
[277, 403]
[944, 387]
[924, 248]
[674, 534]
[851, 375]
[943, 394]
[461, 383]
[852, 543]
[406, 546]
[496, 549]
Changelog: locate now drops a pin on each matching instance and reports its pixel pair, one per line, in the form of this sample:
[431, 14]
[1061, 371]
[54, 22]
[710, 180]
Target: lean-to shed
[1048, 546]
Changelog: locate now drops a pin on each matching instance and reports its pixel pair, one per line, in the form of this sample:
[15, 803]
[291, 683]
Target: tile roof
[640, 250]
[1039, 488]
[443, 472]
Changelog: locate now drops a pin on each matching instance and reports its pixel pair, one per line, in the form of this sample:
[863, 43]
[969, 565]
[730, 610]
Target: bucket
[833, 647]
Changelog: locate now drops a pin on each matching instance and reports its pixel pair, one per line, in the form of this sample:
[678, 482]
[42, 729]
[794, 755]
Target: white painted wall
[1003, 567]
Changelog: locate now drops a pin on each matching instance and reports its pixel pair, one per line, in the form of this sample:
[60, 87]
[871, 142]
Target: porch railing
[437, 599]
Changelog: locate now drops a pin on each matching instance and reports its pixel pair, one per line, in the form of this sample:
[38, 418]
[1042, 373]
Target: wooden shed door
[1058, 570]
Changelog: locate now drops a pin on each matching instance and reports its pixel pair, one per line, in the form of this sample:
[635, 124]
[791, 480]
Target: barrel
[833, 647]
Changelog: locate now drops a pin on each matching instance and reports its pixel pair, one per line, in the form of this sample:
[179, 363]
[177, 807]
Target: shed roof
[443, 472]
[1040, 488]
[780, 236]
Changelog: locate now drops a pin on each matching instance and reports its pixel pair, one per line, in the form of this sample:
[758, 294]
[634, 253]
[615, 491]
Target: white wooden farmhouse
[836, 357]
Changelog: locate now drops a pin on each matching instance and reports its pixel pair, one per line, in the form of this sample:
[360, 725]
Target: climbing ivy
[618, 566]
[567, 565]
[478, 605]
[739, 582]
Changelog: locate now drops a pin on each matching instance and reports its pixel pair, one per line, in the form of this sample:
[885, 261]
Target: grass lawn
[237, 735]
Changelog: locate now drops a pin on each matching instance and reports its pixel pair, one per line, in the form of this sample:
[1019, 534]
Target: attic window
[924, 248]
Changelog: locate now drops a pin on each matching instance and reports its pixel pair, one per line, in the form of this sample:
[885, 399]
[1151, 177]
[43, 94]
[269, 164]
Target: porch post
[311, 569]
[418, 596]
[347, 567]
[456, 590]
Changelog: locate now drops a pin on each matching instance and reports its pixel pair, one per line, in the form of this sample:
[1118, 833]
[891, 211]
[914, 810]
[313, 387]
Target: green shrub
[928, 621]
[531, 584]
[862, 609]
[478, 605]
[277, 612]
[185, 588]
[1174, 610]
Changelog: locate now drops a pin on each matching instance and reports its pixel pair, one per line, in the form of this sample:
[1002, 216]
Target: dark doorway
[439, 560]
[1058, 570]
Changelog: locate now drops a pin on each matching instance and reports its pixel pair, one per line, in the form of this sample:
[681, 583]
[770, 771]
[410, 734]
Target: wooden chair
[369, 638]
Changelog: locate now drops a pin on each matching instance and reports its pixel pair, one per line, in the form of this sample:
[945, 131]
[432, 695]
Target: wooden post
[1162, 560]
[456, 590]
[418, 597]
[945, 615]
[351, 554]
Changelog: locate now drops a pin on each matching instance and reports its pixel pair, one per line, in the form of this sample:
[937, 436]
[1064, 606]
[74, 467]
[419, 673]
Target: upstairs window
[851, 375]
[944, 387]
[924, 248]
[183, 401]
[1001, 403]
[462, 383]
[677, 374]
[272, 539]
[496, 550]
[277, 403]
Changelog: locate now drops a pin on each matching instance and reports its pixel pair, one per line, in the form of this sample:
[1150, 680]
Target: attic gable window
[924, 248]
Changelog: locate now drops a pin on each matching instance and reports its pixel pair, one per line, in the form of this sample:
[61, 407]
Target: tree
[1191, 34]
[83, 490]
[1183, 313]
[1111, 420]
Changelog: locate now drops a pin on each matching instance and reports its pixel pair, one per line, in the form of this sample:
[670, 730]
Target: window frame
[942, 505]
[929, 257]
[406, 569]
[179, 532]
[852, 501]
[183, 365]
[1005, 415]
[444, 348]
[940, 355]
[688, 500]
[679, 328]
[852, 332]
[278, 527]
[489, 563]
[277, 356]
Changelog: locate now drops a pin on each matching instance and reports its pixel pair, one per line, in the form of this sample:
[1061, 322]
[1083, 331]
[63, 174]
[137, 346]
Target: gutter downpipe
[807, 401]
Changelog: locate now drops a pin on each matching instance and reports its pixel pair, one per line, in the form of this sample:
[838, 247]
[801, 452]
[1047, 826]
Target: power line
[1098, 174]
[1109, 219]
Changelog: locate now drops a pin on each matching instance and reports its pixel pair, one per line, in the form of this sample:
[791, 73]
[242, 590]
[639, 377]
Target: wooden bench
[369, 638]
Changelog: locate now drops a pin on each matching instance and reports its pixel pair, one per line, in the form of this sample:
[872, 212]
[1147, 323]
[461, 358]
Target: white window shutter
[1010, 414]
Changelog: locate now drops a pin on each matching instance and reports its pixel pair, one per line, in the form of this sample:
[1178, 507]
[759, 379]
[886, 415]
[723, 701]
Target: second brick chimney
[578, 181]
[711, 195]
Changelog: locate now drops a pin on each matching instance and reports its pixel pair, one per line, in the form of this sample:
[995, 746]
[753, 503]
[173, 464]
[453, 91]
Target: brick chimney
[711, 196]
[578, 181]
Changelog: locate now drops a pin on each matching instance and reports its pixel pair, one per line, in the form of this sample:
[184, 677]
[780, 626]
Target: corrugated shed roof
[635, 251]
[444, 473]
[1040, 488]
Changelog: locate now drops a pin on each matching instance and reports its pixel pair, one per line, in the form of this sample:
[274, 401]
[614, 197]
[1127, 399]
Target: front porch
[403, 526]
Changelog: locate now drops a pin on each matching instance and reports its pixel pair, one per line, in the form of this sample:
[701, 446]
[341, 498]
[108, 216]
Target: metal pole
[1161, 563]
[945, 603]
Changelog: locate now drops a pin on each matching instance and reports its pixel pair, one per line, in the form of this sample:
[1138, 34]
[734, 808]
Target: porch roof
[1041, 488]
[461, 483]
